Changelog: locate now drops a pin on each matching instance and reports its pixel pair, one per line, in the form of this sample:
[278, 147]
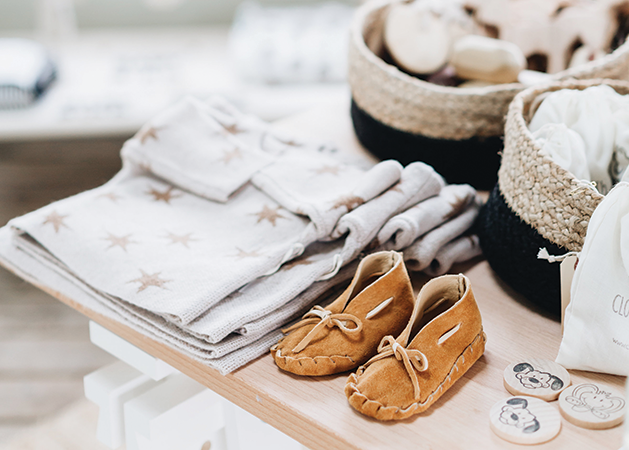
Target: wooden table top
[315, 410]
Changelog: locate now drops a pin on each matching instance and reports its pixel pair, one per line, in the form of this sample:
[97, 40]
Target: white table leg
[179, 413]
[245, 431]
[110, 387]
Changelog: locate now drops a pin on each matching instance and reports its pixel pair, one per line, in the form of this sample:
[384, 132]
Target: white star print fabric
[218, 231]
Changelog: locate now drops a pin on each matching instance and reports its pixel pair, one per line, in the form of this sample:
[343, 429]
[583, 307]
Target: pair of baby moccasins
[408, 350]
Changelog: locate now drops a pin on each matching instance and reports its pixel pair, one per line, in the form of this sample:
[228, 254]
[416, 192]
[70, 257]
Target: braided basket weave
[457, 131]
[535, 204]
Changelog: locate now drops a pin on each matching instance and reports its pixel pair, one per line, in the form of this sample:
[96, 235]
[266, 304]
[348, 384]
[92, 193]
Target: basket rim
[536, 188]
[527, 96]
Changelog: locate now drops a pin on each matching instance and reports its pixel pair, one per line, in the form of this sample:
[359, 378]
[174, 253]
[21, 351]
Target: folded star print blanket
[219, 230]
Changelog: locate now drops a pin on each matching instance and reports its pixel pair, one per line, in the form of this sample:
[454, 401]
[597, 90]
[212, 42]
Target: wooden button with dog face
[539, 378]
[525, 420]
[593, 406]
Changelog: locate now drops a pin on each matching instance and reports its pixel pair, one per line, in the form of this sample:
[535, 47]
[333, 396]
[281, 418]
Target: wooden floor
[44, 345]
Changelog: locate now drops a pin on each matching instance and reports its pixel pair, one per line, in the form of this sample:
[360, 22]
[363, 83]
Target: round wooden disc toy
[539, 378]
[592, 405]
[417, 39]
[525, 420]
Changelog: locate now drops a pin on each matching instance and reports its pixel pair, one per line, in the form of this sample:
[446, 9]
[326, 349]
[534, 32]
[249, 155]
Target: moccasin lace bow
[412, 359]
[322, 318]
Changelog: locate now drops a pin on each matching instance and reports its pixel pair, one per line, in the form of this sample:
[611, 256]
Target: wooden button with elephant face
[593, 406]
[539, 378]
[525, 420]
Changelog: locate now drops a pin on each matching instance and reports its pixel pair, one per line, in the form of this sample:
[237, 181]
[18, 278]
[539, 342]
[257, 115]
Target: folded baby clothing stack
[219, 230]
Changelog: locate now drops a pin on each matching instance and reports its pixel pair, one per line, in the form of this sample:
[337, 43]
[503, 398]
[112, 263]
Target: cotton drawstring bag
[596, 333]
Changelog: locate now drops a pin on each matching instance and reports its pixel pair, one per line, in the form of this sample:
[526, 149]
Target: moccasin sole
[313, 366]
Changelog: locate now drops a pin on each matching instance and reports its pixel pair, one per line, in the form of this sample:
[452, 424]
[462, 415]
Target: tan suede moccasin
[378, 302]
[442, 340]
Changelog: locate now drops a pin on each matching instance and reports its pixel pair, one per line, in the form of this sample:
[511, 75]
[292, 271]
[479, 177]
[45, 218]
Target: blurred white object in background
[112, 80]
[26, 71]
[163, 5]
[291, 43]
[56, 20]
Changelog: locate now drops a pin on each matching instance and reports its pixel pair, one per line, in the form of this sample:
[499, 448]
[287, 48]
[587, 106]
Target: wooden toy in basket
[456, 130]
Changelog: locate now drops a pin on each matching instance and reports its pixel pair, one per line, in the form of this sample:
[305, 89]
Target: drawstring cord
[336, 266]
[583, 184]
[543, 254]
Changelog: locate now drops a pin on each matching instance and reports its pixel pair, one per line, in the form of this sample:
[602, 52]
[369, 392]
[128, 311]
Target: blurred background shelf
[112, 81]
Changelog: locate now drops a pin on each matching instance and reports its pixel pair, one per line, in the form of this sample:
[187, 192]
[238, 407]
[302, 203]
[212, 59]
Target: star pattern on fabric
[297, 262]
[56, 220]
[119, 241]
[333, 170]
[145, 133]
[233, 129]
[243, 254]
[111, 196]
[349, 201]
[228, 155]
[183, 239]
[148, 280]
[165, 196]
[458, 206]
[290, 142]
[270, 214]
[144, 167]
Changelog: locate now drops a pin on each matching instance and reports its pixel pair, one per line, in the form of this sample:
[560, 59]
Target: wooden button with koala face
[592, 405]
[539, 378]
[525, 420]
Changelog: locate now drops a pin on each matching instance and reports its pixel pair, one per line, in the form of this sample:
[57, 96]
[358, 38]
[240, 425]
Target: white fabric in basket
[596, 333]
[601, 117]
[566, 147]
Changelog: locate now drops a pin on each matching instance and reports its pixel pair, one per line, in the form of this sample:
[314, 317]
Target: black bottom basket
[473, 161]
[511, 246]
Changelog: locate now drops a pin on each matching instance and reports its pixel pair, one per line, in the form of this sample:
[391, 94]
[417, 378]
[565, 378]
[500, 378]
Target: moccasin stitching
[313, 359]
[480, 336]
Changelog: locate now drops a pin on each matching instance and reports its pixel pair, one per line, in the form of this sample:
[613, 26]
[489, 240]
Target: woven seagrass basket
[457, 131]
[535, 204]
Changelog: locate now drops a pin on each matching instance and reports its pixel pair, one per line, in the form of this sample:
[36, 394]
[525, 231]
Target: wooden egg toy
[487, 59]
